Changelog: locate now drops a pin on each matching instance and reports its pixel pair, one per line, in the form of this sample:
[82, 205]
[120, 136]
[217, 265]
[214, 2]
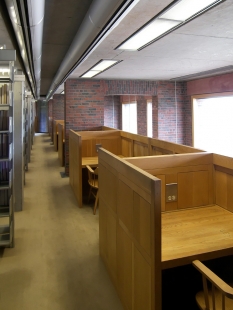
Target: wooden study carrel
[142, 232]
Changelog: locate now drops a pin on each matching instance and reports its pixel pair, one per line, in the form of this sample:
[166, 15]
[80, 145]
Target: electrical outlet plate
[97, 146]
[171, 192]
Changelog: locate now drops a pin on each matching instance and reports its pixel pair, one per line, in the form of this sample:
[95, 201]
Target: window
[149, 119]
[129, 117]
[212, 125]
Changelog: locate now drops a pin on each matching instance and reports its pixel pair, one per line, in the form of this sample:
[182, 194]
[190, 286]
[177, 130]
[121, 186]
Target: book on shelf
[4, 145]
[4, 120]
[4, 94]
[4, 172]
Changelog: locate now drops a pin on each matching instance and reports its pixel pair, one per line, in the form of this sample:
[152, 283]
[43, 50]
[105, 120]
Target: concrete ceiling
[204, 44]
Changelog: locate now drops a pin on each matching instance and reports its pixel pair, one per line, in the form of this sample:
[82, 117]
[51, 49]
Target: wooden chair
[218, 296]
[94, 187]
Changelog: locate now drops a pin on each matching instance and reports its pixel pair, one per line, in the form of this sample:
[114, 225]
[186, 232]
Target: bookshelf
[28, 133]
[18, 154]
[7, 58]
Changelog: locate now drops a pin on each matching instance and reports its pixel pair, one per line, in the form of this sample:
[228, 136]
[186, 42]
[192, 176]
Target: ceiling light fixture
[172, 17]
[98, 68]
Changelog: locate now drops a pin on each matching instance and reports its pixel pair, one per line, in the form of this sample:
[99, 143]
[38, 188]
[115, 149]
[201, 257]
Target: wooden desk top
[90, 161]
[200, 233]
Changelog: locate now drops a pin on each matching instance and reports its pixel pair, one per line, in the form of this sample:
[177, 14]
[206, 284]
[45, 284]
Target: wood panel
[221, 179]
[193, 174]
[61, 143]
[155, 150]
[126, 147]
[154, 163]
[142, 274]
[110, 184]
[223, 167]
[193, 189]
[84, 143]
[166, 147]
[112, 244]
[75, 164]
[170, 178]
[124, 258]
[140, 149]
[163, 183]
[141, 222]
[125, 205]
[138, 232]
[230, 192]
[55, 133]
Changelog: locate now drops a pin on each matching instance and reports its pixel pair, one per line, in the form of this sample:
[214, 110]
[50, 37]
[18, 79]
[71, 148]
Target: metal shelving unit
[7, 58]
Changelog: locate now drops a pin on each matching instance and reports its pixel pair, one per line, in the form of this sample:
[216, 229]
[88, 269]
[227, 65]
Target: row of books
[5, 167]
[4, 120]
[4, 198]
[4, 145]
[4, 94]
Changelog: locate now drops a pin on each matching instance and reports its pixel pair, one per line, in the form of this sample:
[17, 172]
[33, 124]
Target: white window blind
[129, 117]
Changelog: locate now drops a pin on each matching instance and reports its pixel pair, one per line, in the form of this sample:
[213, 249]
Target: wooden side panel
[158, 151]
[109, 184]
[185, 188]
[230, 192]
[124, 267]
[75, 162]
[165, 147]
[223, 166]
[126, 147]
[110, 143]
[142, 274]
[193, 174]
[61, 143]
[130, 234]
[125, 205]
[103, 244]
[163, 182]
[141, 222]
[55, 133]
[193, 189]
[221, 186]
[140, 149]
[112, 244]
[200, 188]
[170, 178]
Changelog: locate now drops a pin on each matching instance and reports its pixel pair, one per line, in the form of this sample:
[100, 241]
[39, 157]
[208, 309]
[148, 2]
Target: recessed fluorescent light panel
[101, 66]
[175, 15]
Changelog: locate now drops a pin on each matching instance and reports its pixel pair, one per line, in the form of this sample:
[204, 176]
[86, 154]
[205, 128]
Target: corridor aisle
[55, 264]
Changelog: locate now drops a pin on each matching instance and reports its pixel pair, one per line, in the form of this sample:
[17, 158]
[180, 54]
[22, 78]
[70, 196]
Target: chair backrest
[92, 176]
[218, 285]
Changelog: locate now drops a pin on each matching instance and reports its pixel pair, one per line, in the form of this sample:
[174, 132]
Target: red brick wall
[214, 84]
[172, 104]
[84, 108]
[58, 106]
[112, 112]
[86, 101]
[155, 117]
[142, 115]
[90, 104]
